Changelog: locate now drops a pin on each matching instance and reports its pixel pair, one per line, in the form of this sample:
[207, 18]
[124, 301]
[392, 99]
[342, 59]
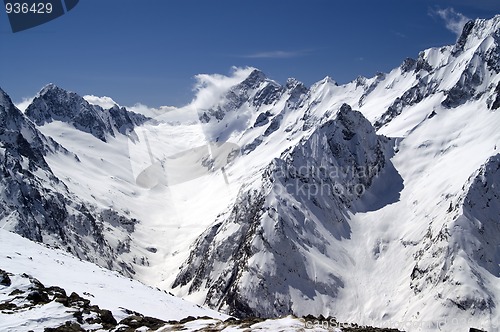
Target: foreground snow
[105, 288]
[34, 268]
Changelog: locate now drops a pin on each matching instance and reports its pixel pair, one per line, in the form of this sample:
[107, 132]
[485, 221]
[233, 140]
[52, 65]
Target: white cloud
[104, 102]
[23, 105]
[210, 88]
[454, 21]
[151, 111]
[275, 55]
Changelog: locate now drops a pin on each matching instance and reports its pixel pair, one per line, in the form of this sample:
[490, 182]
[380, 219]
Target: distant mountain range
[375, 202]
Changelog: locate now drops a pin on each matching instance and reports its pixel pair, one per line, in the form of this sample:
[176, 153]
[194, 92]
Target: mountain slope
[38, 205]
[107, 289]
[295, 216]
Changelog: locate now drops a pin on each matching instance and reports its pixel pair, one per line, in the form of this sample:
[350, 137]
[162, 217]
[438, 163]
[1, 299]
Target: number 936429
[28, 8]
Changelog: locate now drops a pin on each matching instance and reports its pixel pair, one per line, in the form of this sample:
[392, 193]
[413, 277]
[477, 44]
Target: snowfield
[103, 287]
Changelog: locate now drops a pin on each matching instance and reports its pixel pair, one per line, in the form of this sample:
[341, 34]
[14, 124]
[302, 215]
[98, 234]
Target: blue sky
[149, 51]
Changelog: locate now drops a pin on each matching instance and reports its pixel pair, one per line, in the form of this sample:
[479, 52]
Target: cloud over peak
[454, 21]
[105, 102]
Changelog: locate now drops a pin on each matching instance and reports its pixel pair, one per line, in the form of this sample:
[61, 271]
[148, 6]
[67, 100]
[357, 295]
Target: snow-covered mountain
[39, 206]
[261, 249]
[375, 201]
[55, 104]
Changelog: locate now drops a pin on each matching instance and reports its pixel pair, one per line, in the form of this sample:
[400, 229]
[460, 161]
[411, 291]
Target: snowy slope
[35, 271]
[105, 288]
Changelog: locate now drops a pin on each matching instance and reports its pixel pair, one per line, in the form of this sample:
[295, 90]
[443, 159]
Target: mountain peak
[329, 79]
[7, 107]
[256, 75]
[292, 82]
[475, 31]
[349, 117]
[253, 80]
[345, 108]
[4, 98]
[56, 104]
[51, 87]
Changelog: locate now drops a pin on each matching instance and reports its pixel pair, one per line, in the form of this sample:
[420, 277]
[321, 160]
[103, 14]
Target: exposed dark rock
[422, 64]
[465, 89]
[38, 297]
[411, 97]
[75, 299]
[496, 103]
[275, 124]
[408, 65]
[7, 306]
[187, 320]
[4, 278]
[16, 292]
[262, 119]
[268, 95]
[460, 44]
[432, 114]
[67, 327]
[297, 91]
[107, 318]
[152, 249]
[251, 146]
[136, 322]
[125, 121]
